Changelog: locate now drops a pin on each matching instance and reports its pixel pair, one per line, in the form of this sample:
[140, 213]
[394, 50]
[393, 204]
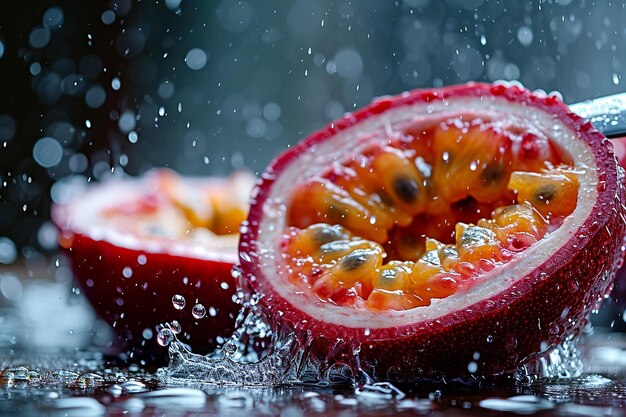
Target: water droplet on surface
[178, 301]
[89, 380]
[132, 386]
[522, 404]
[554, 329]
[76, 406]
[198, 311]
[235, 272]
[186, 398]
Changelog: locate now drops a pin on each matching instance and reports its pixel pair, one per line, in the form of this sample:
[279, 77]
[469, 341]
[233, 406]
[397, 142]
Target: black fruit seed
[355, 260]
[335, 246]
[545, 194]
[492, 173]
[326, 234]
[406, 188]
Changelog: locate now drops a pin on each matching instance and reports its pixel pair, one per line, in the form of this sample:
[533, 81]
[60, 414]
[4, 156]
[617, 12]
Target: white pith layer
[357, 138]
[84, 215]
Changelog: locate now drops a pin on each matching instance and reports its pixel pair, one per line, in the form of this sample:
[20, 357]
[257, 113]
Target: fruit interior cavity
[161, 212]
[426, 210]
[172, 207]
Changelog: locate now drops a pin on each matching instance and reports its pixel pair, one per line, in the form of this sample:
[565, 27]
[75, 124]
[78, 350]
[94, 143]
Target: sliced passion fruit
[146, 250]
[449, 233]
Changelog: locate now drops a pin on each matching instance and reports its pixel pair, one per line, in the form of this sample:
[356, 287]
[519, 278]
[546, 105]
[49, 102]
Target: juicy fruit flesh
[427, 213]
[177, 208]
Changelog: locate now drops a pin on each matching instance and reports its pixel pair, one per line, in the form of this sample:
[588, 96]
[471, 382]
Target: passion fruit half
[438, 234]
[147, 250]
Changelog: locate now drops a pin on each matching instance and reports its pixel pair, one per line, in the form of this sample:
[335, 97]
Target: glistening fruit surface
[524, 305]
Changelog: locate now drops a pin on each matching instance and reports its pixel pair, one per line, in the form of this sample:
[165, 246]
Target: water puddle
[263, 369]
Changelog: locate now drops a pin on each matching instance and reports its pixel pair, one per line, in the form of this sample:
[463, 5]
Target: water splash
[240, 360]
[262, 352]
[562, 362]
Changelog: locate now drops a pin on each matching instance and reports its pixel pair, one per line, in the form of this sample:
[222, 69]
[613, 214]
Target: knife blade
[608, 114]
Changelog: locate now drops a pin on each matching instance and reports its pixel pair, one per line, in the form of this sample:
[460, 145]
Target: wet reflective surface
[57, 361]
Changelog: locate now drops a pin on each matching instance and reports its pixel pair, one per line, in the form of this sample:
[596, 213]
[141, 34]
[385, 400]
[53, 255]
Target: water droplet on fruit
[554, 329]
[236, 272]
[178, 301]
[489, 339]
[127, 272]
[198, 311]
[165, 337]
[511, 342]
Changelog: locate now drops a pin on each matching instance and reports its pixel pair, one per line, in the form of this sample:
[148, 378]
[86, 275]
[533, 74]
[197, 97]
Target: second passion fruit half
[158, 249]
[447, 233]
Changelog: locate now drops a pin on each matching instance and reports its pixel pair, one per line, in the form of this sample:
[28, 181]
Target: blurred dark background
[90, 88]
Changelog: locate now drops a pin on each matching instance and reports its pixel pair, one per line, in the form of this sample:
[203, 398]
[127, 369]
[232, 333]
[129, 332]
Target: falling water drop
[178, 301]
[165, 337]
[175, 327]
[198, 311]
[230, 348]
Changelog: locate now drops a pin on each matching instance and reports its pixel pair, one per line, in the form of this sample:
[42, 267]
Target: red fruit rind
[530, 306]
[130, 275]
